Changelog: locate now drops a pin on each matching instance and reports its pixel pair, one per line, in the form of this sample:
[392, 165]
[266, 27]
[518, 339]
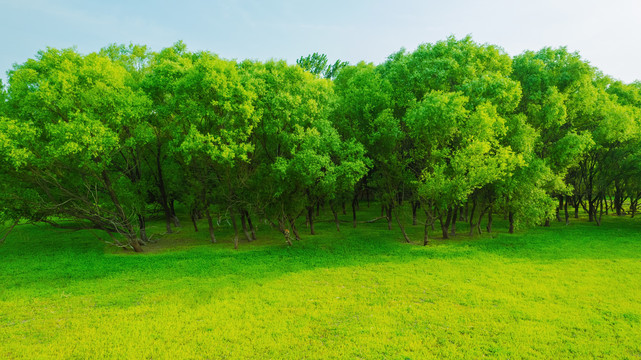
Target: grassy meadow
[561, 292]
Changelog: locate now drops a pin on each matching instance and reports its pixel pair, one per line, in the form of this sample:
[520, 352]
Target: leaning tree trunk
[8, 231]
[130, 234]
[400, 225]
[251, 225]
[243, 223]
[193, 220]
[292, 223]
[283, 230]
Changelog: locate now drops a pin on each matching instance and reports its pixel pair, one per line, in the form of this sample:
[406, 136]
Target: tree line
[455, 130]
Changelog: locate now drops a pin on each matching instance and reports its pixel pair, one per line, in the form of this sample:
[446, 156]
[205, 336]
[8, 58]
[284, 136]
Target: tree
[451, 99]
[216, 116]
[298, 154]
[558, 97]
[74, 146]
[317, 64]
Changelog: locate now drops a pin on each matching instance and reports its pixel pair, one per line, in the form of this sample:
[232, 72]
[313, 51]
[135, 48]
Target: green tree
[318, 65]
[451, 99]
[75, 143]
[299, 156]
[217, 119]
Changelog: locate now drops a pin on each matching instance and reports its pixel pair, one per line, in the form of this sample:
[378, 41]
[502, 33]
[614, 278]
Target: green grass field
[560, 292]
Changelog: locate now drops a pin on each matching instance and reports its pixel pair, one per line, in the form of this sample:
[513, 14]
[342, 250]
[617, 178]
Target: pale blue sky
[607, 33]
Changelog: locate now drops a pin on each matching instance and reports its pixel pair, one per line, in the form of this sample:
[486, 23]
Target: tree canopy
[458, 129]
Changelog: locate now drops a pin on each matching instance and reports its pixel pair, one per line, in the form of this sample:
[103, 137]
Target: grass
[560, 292]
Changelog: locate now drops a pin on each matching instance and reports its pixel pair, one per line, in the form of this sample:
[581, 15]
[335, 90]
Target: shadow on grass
[45, 259]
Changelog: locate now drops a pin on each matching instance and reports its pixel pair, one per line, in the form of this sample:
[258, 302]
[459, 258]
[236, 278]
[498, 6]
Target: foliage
[456, 128]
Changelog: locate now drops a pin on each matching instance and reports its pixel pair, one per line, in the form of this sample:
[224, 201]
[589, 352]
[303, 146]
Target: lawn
[561, 292]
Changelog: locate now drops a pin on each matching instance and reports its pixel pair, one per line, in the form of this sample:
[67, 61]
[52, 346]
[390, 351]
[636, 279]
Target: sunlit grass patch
[561, 292]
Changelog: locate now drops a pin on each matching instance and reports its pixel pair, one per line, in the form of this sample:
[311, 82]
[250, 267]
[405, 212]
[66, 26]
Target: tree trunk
[511, 219]
[336, 221]
[427, 223]
[233, 222]
[8, 231]
[292, 223]
[367, 194]
[467, 212]
[133, 241]
[619, 198]
[478, 223]
[576, 208]
[489, 220]
[164, 202]
[168, 221]
[565, 208]
[130, 234]
[343, 205]
[547, 222]
[389, 209]
[174, 218]
[354, 205]
[243, 223]
[446, 226]
[193, 220]
[414, 207]
[400, 225]
[210, 224]
[310, 216]
[454, 216]
[600, 206]
[444, 232]
[558, 209]
[471, 217]
[143, 229]
[251, 225]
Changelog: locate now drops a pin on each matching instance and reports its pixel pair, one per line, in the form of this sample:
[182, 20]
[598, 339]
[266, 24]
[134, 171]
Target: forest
[454, 131]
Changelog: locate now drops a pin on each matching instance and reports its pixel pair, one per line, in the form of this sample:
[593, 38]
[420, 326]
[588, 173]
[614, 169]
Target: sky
[606, 33]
